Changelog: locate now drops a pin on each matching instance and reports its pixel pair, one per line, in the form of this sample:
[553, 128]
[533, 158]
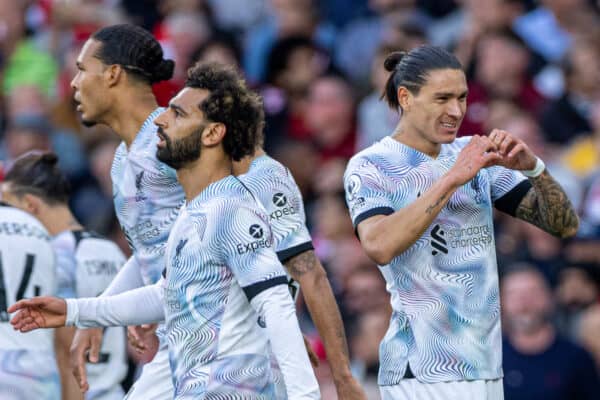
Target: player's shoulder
[380, 156]
[266, 176]
[267, 164]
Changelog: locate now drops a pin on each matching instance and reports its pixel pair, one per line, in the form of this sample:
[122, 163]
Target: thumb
[491, 158]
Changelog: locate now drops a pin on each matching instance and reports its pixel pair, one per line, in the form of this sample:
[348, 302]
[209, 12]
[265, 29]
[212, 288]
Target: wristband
[537, 170]
[72, 317]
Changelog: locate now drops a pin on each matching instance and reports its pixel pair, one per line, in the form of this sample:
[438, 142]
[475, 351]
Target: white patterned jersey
[86, 264]
[27, 268]
[275, 189]
[219, 256]
[444, 288]
[147, 199]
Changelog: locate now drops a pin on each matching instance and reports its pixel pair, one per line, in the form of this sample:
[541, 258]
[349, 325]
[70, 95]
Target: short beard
[176, 154]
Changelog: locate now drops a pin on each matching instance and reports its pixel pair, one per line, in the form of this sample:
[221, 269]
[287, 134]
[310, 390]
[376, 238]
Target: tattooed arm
[547, 206]
[384, 237]
[306, 269]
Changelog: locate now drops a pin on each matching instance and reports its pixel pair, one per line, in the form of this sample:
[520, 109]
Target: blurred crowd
[533, 69]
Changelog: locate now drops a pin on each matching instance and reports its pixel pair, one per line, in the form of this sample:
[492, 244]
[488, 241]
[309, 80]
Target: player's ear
[404, 98]
[113, 73]
[32, 204]
[213, 134]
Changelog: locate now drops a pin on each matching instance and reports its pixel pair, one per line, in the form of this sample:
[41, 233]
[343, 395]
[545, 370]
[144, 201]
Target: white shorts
[412, 389]
[155, 382]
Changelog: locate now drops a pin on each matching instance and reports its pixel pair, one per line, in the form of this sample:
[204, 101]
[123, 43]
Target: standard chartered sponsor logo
[470, 236]
[443, 238]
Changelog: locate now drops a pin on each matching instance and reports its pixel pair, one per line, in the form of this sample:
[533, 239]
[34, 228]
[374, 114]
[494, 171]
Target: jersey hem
[371, 213]
[256, 288]
[509, 202]
[285, 255]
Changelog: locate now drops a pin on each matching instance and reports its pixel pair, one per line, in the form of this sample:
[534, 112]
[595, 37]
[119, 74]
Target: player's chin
[445, 136]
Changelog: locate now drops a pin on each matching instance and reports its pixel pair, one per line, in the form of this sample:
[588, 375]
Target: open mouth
[162, 139]
[449, 125]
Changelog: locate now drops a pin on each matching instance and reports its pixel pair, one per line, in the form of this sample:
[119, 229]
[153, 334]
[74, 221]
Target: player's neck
[411, 137]
[241, 167]
[58, 219]
[197, 175]
[130, 113]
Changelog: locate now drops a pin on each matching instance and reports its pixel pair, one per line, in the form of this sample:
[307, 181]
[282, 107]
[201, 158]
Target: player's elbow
[377, 251]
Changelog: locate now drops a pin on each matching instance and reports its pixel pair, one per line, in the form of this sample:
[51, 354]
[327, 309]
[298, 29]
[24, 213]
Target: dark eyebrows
[178, 109]
[450, 94]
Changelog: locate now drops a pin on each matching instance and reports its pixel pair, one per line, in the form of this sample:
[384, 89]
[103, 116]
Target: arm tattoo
[547, 206]
[301, 264]
[432, 207]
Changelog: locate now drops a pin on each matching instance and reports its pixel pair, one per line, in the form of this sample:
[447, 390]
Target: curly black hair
[38, 173]
[135, 50]
[231, 103]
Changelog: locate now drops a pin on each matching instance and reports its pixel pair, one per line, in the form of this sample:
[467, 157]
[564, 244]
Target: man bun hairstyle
[411, 69]
[135, 50]
[231, 103]
[38, 173]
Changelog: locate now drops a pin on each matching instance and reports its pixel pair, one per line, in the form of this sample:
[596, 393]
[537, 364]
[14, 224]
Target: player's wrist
[452, 180]
[72, 314]
[537, 169]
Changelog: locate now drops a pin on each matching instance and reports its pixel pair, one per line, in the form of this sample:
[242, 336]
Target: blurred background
[533, 69]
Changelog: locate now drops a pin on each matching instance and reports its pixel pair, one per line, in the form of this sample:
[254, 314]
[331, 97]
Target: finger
[488, 145]
[507, 143]
[493, 134]
[78, 363]
[498, 137]
[491, 158]
[28, 327]
[95, 344]
[23, 304]
[516, 150]
[134, 337]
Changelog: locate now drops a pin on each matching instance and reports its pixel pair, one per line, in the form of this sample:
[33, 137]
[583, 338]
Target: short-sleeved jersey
[27, 269]
[219, 256]
[86, 264]
[444, 288]
[274, 187]
[147, 198]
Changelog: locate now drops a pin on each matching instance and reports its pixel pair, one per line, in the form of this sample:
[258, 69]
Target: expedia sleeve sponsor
[262, 240]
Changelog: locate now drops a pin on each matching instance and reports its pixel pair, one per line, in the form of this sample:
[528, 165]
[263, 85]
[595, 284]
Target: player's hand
[314, 360]
[350, 389]
[515, 154]
[479, 153]
[144, 340]
[37, 313]
[85, 347]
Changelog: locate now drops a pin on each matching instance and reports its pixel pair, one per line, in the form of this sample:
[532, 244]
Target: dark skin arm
[307, 270]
